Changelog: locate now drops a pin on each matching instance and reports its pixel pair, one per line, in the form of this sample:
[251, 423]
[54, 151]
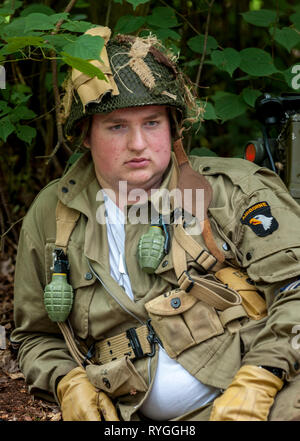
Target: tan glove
[81, 401]
[249, 397]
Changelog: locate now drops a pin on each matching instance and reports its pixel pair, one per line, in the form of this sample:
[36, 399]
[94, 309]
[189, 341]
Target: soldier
[178, 312]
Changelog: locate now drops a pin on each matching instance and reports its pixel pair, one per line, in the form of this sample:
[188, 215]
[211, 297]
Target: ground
[16, 403]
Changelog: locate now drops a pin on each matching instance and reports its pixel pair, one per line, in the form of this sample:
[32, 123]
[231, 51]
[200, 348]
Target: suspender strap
[202, 257]
[224, 299]
[71, 344]
[66, 219]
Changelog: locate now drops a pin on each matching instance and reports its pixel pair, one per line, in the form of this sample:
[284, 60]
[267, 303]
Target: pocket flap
[171, 303]
[116, 378]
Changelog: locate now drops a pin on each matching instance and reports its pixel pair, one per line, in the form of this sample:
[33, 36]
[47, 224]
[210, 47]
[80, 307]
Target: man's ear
[86, 142]
[86, 132]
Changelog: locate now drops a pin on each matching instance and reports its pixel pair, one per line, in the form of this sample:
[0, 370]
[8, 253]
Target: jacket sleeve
[271, 255]
[43, 356]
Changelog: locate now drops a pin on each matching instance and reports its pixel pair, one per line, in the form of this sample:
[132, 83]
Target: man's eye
[116, 127]
[152, 123]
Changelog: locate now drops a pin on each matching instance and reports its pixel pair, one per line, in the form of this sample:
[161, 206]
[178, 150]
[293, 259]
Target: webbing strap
[230, 314]
[71, 344]
[198, 253]
[118, 346]
[212, 292]
[66, 219]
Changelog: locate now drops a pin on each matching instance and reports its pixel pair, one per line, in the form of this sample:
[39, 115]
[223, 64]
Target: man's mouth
[137, 162]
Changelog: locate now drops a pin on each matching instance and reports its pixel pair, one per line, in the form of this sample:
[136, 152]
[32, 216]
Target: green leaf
[209, 110]
[77, 26]
[4, 108]
[87, 47]
[6, 128]
[136, 3]
[228, 59]
[22, 112]
[162, 18]
[16, 43]
[25, 133]
[59, 41]
[197, 44]
[257, 62]
[164, 34]
[129, 23]
[14, 29]
[83, 66]
[295, 19]
[9, 10]
[230, 106]
[262, 17]
[20, 94]
[287, 37]
[37, 21]
[36, 7]
[250, 95]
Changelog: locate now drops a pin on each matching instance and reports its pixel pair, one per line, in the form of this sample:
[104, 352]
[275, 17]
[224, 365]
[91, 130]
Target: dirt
[16, 403]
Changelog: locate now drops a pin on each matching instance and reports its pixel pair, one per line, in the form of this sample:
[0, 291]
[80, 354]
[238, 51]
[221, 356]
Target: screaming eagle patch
[259, 218]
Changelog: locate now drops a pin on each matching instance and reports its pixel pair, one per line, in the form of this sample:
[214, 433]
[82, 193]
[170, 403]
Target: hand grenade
[151, 249]
[58, 294]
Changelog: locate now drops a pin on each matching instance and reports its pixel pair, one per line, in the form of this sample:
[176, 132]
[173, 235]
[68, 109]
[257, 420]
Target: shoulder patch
[259, 218]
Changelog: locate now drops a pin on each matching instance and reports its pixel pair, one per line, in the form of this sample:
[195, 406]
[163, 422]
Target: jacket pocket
[116, 378]
[182, 321]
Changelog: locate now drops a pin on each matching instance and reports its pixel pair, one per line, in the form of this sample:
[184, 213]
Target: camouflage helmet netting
[149, 80]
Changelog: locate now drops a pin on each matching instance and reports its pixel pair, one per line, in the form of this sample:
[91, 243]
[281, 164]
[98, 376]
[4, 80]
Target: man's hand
[81, 401]
[249, 397]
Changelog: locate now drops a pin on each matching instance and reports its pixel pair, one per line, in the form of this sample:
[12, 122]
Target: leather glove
[81, 401]
[249, 397]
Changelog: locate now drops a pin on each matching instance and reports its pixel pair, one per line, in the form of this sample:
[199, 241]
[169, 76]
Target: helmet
[143, 74]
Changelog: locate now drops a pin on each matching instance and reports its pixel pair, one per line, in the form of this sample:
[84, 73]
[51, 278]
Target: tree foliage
[233, 51]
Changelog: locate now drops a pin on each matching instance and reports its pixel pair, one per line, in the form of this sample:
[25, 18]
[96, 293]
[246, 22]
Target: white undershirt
[175, 391]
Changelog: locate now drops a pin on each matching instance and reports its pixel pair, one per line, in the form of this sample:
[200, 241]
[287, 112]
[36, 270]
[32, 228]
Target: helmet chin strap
[190, 179]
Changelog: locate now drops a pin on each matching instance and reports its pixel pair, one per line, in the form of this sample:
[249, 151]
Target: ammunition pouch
[182, 321]
[116, 378]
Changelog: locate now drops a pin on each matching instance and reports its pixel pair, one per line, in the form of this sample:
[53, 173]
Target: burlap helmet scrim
[149, 80]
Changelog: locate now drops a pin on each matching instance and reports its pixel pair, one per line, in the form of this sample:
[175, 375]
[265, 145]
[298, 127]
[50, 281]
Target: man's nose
[137, 140]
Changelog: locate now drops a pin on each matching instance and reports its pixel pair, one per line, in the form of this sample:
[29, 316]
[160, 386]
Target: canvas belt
[134, 343]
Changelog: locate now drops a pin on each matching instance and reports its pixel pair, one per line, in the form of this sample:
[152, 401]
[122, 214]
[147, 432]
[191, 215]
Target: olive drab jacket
[244, 195]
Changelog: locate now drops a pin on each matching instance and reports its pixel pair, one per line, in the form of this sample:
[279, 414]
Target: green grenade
[58, 294]
[151, 249]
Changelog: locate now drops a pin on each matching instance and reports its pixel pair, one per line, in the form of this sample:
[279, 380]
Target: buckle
[90, 354]
[134, 342]
[205, 270]
[152, 338]
[185, 281]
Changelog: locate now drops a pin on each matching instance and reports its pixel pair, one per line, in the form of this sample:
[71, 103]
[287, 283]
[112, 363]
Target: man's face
[133, 145]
